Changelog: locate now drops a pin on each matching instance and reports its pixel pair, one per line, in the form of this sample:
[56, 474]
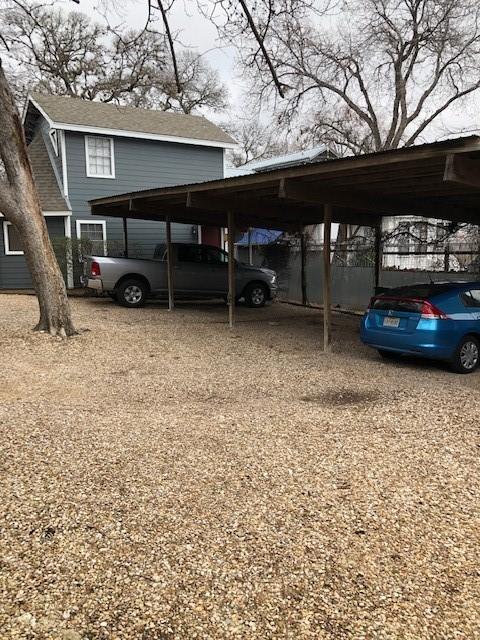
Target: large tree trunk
[20, 204]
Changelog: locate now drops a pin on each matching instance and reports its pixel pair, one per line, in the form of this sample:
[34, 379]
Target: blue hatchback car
[437, 320]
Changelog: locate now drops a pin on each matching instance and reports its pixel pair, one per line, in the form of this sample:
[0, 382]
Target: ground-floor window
[11, 239]
[92, 236]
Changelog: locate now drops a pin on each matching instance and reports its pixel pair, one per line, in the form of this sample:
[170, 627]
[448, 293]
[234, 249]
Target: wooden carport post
[171, 302]
[378, 254]
[303, 266]
[327, 278]
[231, 269]
[125, 238]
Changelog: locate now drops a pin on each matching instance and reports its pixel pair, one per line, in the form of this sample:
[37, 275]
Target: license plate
[391, 322]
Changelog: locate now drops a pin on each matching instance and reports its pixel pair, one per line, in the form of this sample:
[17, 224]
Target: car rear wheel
[467, 355]
[131, 293]
[255, 294]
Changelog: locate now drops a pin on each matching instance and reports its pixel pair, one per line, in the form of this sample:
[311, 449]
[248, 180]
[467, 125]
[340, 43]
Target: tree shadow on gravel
[342, 397]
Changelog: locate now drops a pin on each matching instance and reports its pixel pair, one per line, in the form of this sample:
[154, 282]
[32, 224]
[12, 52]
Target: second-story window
[100, 157]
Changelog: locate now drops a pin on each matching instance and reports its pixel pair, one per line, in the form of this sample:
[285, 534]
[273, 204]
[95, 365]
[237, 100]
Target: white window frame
[112, 158]
[78, 225]
[6, 241]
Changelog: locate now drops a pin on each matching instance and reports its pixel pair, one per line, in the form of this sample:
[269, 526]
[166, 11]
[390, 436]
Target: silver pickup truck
[199, 271]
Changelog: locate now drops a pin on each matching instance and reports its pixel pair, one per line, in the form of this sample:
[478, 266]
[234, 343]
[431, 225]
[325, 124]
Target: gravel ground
[162, 477]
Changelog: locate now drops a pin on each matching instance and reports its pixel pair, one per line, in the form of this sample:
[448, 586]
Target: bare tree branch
[69, 54]
[390, 68]
[261, 44]
[171, 44]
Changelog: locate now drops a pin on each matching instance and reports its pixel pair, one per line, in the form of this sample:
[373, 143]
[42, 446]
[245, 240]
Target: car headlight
[273, 279]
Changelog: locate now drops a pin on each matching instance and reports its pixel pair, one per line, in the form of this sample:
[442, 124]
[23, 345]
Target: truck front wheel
[255, 294]
[131, 293]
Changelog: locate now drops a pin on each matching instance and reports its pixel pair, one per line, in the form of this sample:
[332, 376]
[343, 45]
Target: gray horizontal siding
[56, 226]
[13, 269]
[139, 164]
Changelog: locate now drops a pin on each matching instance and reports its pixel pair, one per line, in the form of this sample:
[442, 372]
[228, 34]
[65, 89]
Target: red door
[212, 235]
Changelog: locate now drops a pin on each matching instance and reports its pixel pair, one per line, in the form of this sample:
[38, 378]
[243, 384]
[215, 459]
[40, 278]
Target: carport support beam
[171, 302]
[231, 269]
[327, 278]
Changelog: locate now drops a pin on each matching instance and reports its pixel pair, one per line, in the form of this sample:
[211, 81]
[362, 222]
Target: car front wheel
[255, 295]
[467, 355]
[131, 293]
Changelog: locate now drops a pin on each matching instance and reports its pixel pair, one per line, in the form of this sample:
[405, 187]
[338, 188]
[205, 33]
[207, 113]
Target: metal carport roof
[438, 180]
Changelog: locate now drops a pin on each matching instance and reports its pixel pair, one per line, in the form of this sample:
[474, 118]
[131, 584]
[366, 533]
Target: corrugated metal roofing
[285, 160]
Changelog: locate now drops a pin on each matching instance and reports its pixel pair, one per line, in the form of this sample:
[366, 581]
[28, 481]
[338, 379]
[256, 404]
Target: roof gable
[75, 114]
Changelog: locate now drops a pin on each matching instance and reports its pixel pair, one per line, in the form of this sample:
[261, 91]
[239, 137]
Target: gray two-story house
[83, 150]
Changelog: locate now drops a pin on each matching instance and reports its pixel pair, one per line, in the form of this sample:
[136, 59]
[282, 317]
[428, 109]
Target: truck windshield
[160, 252]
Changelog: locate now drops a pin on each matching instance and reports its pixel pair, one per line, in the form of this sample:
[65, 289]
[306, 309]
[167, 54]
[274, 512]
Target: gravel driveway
[162, 477]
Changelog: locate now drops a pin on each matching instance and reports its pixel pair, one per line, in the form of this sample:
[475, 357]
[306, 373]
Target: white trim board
[51, 214]
[63, 151]
[6, 241]
[143, 136]
[130, 134]
[53, 134]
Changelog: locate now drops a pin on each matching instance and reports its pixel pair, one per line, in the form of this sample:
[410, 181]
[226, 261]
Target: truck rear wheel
[131, 293]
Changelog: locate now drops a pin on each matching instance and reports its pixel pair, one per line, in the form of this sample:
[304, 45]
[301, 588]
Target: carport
[439, 180]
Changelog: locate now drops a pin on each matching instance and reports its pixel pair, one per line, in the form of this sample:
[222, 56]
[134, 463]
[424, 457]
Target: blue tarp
[260, 236]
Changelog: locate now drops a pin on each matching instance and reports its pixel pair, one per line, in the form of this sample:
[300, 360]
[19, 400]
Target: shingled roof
[76, 114]
[47, 185]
